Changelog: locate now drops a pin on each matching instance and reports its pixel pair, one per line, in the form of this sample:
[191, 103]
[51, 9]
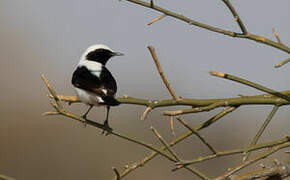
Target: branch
[145, 113]
[277, 36]
[251, 84]
[282, 63]
[177, 159]
[4, 177]
[282, 171]
[196, 109]
[117, 173]
[164, 79]
[261, 130]
[168, 148]
[197, 134]
[251, 161]
[59, 108]
[236, 16]
[175, 141]
[156, 19]
[249, 36]
[216, 117]
[236, 151]
[262, 99]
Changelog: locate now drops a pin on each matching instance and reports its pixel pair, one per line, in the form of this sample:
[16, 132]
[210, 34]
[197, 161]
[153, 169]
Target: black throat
[100, 55]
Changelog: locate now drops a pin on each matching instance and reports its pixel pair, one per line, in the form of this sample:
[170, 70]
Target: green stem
[251, 84]
[262, 129]
[236, 151]
[282, 63]
[236, 16]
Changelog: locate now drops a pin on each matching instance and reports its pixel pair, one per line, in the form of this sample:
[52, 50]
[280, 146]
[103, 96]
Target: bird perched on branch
[93, 82]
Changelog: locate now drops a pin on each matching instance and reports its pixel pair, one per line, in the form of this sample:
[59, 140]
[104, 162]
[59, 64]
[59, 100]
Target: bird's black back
[84, 79]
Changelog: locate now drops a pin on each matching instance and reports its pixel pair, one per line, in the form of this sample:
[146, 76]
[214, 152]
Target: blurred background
[48, 37]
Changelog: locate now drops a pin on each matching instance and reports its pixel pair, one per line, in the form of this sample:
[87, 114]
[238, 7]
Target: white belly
[88, 97]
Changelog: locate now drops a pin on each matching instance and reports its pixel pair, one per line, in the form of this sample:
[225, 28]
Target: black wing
[84, 79]
[108, 81]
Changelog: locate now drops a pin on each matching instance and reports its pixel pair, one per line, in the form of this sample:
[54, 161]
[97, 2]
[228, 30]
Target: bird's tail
[110, 100]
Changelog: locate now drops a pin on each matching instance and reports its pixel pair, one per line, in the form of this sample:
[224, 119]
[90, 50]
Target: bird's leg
[84, 116]
[106, 122]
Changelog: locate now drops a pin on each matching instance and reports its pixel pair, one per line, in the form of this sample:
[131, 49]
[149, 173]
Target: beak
[118, 54]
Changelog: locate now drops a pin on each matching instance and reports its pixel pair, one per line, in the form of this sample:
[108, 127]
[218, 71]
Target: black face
[100, 55]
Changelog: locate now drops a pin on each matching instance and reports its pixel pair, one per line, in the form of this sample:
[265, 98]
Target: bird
[93, 82]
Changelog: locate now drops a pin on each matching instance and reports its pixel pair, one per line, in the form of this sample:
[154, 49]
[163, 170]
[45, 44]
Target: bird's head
[100, 53]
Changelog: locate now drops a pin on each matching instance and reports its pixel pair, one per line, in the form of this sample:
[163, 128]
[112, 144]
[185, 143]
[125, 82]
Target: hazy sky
[48, 37]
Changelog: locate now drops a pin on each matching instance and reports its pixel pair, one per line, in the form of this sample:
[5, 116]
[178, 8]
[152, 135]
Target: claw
[107, 129]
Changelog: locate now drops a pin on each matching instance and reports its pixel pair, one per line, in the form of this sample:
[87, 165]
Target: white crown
[97, 46]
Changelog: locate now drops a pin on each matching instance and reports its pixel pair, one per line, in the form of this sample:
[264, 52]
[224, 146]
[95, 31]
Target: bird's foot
[107, 129]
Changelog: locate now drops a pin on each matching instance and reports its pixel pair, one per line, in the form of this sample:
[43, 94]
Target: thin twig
[282, 171]
[236, 16]
[165, 144]
[172, 125]
[197, 134]
[117, 173]
[282, 63]
[190, 21]
[164, 79]
[4, 177]
[157, 19]
[52, 92]
[251, 84]
[50, 113]
[216, 117]
[236, 151]
[195, 109]
[145, 113]
[253, 160]
[276, 36]
[261, 130]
